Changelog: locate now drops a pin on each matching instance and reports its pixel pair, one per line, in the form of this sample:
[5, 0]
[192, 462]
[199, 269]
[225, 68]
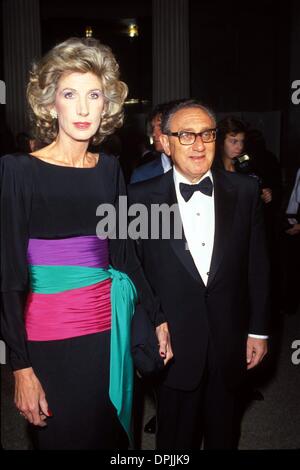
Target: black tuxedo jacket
[148, 170]
[235, 300]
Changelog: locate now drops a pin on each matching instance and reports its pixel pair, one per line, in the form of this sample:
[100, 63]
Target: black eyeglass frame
[195, 134]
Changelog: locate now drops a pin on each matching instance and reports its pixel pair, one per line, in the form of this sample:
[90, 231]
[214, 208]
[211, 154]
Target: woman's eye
[95, 95]
[69, 95]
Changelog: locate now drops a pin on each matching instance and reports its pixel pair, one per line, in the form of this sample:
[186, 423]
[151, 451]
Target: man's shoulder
[147, 158]
[147, 170]
[156, 184]
[241, 182]
[150, 164]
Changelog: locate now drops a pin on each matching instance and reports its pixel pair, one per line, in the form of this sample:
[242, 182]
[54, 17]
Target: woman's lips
[82, 125]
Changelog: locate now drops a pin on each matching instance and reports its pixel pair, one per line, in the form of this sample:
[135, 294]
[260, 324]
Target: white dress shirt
[166, 162]
[198, 221]
[294, 202]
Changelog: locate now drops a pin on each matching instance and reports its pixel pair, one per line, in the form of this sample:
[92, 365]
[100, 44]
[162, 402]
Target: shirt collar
[166, 162]
[179, 178]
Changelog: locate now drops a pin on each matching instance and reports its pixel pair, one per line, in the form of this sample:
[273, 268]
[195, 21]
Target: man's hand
[164, 342]
[30, 397]
[256, 350]
[295, 230]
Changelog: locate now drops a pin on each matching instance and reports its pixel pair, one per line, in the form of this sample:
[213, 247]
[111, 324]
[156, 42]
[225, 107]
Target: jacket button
[206, 295]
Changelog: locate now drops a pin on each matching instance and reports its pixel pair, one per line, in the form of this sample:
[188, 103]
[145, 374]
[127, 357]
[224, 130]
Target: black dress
[42, 202]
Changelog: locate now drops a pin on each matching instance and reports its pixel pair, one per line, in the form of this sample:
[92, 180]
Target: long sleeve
[14, 212]
[124, 257]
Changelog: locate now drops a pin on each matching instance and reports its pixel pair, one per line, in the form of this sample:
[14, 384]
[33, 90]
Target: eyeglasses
[189, 138]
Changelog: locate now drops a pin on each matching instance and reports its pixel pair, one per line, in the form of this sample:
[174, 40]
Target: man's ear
[164, 140]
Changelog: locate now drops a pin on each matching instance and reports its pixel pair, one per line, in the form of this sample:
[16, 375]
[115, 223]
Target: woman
[232, 133]
[231, 141]
[67, 309]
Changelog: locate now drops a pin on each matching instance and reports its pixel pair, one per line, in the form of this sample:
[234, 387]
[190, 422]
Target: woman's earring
[53, 114]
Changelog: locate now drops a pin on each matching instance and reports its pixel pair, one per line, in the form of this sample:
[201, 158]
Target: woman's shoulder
[15, 161]
[108, 159]
[110, 164]
[16, 168]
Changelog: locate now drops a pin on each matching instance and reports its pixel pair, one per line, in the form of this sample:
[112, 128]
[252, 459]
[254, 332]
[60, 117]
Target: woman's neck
[228, 164]
[68, 152]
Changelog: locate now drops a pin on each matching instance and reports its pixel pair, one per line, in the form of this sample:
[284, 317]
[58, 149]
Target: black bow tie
[205, 186]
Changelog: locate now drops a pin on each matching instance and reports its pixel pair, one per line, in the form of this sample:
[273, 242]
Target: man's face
[194, 160]
[156, 133]
[234, 145]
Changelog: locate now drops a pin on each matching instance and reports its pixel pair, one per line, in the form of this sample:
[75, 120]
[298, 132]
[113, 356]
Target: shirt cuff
[258, 336]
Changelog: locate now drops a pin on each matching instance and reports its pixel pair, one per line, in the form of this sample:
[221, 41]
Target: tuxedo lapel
[225, 203]
[167, 194]
[182, 252]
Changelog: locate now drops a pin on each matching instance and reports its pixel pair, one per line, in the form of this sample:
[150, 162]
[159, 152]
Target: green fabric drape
[55, 279]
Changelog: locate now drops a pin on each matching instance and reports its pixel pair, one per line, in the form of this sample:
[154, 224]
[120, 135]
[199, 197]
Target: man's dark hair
[178, 105]
[157, 111]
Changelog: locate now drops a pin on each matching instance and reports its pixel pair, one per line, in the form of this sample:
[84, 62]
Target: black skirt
[75, 376]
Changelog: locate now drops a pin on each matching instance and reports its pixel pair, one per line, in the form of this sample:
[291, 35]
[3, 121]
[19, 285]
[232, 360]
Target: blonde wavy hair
[75, 55]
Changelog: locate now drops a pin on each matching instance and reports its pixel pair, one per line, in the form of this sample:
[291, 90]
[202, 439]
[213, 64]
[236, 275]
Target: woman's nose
[83, 107]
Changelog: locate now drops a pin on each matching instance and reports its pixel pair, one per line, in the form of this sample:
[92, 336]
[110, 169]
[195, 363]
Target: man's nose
[198, 144]
[156, 133]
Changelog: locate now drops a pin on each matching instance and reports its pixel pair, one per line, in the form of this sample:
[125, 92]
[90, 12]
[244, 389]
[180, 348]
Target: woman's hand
[30, 397]
[164, 342]
[266, 195]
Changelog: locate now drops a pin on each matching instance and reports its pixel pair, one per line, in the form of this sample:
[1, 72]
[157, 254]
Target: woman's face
[79, 104]
[233, 145]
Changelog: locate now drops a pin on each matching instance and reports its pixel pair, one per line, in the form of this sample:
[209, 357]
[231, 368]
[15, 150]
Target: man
[158, 163]
[291, 245]
[155, 163]
[212, 284]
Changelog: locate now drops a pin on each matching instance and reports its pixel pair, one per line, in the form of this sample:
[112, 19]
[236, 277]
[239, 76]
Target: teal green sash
[54, 279]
